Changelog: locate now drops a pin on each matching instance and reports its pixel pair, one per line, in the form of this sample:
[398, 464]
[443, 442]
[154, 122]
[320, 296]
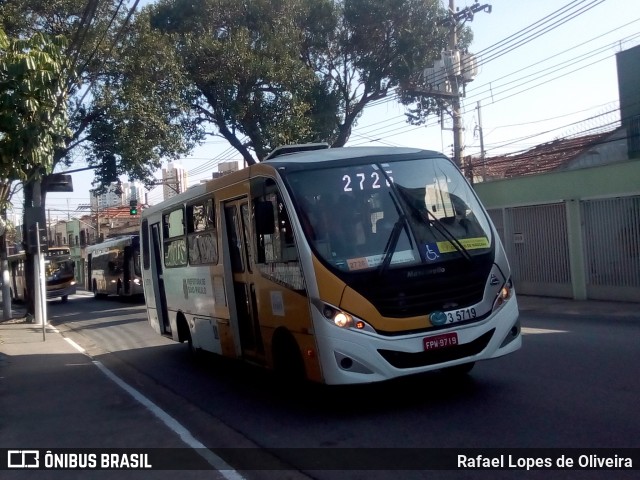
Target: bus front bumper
[357, 357]
[61, 291]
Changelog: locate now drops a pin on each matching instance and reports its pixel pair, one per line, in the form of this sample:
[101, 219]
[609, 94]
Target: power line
[488, 49]
[498, 92]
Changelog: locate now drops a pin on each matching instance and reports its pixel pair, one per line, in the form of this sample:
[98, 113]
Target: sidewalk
[52, 396]
[568, 307]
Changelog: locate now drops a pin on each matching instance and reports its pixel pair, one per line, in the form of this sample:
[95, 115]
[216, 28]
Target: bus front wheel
[287, 359]
[459, 370]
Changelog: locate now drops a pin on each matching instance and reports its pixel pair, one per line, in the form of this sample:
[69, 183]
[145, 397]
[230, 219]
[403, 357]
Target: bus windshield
[390, 215]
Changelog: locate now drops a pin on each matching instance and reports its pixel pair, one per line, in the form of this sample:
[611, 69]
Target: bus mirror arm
[265, 220]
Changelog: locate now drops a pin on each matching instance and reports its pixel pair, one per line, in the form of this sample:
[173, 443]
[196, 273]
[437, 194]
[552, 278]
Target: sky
[547, 70]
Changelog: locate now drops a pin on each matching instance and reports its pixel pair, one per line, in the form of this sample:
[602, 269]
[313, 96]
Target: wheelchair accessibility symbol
[432, 255]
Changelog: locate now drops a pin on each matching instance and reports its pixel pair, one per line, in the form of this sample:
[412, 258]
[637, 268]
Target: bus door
[89, 282]
[158, 287]
[237, 222]
[127, 267]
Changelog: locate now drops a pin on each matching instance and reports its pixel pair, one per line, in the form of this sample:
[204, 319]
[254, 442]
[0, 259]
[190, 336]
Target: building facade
[174, 179]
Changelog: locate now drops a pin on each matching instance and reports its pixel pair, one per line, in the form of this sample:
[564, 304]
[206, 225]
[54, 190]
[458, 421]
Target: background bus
[59, 274]
[113, 267]
[340, 265]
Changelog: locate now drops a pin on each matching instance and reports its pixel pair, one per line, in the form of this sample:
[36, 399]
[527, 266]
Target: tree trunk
[34, 195]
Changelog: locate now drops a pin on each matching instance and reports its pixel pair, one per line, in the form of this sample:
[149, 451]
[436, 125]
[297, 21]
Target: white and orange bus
[59, 274]
[337, 265]
[113, 267]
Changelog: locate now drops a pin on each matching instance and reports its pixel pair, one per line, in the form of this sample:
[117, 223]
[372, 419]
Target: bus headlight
[136, 281]
[504, 294]
[343, 319]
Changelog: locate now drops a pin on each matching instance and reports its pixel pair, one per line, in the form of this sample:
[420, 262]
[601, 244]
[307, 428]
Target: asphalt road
[574, 385]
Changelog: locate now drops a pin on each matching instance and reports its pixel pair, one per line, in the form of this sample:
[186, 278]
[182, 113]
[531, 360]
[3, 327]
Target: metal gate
[611, 238]
[536, 242]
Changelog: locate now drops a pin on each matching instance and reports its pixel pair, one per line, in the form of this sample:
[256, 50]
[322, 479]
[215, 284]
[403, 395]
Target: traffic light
[133, 207]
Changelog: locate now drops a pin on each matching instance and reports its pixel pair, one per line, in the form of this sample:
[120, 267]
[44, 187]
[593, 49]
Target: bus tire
[64, 298]
[288, 364]
[184, 334]
[95, 291]
[459, 370]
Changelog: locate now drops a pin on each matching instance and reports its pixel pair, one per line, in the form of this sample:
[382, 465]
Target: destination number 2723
[360, 179]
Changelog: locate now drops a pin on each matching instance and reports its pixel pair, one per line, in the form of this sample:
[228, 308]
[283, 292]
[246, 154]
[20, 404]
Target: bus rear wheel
[95, 291]
[184, 333]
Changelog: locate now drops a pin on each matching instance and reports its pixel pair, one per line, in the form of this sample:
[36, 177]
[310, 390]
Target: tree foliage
[292, 71]
[262, 73]
[33, 115]
[243, 58]
[124, 116]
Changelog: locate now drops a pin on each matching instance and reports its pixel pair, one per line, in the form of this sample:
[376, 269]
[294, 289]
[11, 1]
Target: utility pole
[447, 78]
[4, 268]
[482, 159]
[455, 100]
[460, 74]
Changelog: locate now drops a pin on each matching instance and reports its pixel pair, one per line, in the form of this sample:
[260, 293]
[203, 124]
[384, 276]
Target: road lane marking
[75, 345]
[537, 331]
[215, 461]
[212, 459]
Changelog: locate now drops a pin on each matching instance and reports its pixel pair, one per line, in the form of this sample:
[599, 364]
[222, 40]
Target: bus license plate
[440, 341]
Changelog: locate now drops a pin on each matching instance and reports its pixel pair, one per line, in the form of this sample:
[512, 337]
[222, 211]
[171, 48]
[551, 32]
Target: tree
[125, 118]
[117, 124]
[243, 59]
[291, 71]
[33, 115]
[375, 47]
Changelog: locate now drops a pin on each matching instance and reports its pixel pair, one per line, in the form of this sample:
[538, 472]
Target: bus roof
[346, 153]
[296, 161]
[112, 242]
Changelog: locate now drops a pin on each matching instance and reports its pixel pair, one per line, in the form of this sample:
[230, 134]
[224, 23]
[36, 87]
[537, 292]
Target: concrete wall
[571, 189]
[605, 181]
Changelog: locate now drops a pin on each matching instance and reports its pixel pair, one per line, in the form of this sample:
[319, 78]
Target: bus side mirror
[265, 221]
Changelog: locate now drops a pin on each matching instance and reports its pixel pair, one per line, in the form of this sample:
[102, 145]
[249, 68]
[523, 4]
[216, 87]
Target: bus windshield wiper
[444, 231]
[392, 243]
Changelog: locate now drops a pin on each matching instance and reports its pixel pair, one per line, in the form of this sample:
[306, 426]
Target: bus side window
[173, 241]
[276, 252]
[145, 245]
[277, 245]
[202, 237]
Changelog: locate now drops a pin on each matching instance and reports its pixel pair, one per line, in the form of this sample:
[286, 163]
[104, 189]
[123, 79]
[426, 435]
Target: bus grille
[421, 359]
[407, 299]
